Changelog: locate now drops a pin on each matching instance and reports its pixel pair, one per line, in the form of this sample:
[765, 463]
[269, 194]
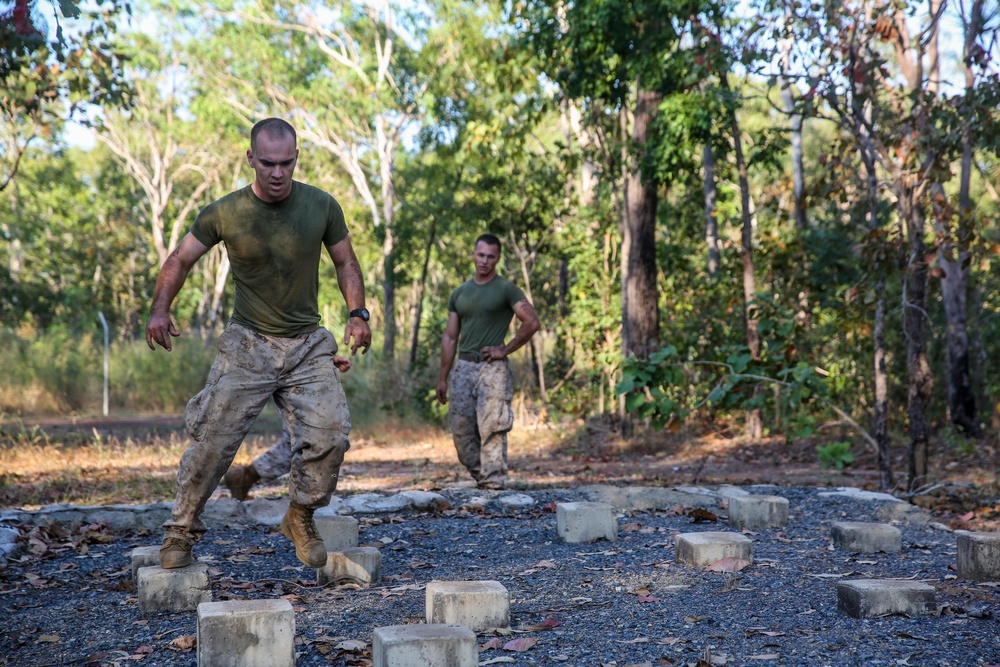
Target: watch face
[362, 313]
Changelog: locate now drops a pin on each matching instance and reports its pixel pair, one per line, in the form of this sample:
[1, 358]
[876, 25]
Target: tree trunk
[920, 379]
[746, 245]
[711, 221]
[795, 124]
[754, 427]
[386, 150]
[418, 298]
[880, 374]
[640, 303]
[954, 256]
[388, 296]
[524, 257]
[881, 379]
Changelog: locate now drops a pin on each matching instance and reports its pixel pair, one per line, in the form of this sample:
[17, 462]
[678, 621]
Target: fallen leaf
[48, 639]
[647, 598]
[145, 649]
[544, 564]
[522, 644]
[764, 656]
[184, 643]
[698, 515]
[641, 591]
[547, 624]
[637, 640]
[670, 641]
[494, 661]
[352, 645]
[729, 564]
[494, 643]
[632, 527]
[695, 619]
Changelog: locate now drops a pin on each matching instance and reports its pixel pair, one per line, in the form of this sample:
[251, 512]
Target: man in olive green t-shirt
[479, 314]
[274, 230]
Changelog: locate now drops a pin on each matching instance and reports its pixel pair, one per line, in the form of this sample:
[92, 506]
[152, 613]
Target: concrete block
[180, 589]
[868, 538]
[246, 633]
[144, 557]
[865, 598]
[758, 512]
[586, 522]
[979, 556]
[359, 565]
[477, 605]
[337, 532]
[435, 645]
[701, 549]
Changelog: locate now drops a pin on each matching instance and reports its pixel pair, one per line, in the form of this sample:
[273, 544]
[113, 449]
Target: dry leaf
[637, 640]
[670, 641]
[494, 661]
[695, 619]
[632, 527]
[522, 644]
[352, 645]
[48, 639]
[647, 598]
[698, 515]
[547, 624]
[494, 643]
[184, 643]
[729, 564]
[765, 656]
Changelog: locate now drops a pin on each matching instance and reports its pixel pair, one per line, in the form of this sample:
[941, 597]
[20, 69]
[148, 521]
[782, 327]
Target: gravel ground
[621, 603]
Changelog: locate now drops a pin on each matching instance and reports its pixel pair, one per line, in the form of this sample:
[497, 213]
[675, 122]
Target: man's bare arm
[173, 273]
[352, 286]
[526, 314]
[449, 345]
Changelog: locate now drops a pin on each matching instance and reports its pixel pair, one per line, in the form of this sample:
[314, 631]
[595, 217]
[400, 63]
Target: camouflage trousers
[480, 416]
[250, 369]
[277, 460]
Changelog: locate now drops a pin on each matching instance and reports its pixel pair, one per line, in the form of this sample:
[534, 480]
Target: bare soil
[130, 460]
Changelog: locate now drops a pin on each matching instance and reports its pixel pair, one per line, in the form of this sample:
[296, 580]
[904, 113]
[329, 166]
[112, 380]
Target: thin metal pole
[104, 323]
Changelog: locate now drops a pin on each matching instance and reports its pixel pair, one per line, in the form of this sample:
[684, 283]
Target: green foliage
[835, 455]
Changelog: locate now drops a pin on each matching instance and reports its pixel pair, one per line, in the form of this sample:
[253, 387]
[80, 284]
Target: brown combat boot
[175, 552]
[239, 479]
[298, 526]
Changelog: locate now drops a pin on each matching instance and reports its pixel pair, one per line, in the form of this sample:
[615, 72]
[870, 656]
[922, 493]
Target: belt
[474, 357]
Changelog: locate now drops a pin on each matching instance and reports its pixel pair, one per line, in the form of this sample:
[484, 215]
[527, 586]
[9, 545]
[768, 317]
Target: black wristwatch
[362, 313]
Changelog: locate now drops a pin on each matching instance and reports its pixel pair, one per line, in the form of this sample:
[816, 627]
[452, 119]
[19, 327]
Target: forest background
[776, 218]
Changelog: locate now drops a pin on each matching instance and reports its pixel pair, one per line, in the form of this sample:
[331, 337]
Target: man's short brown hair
[273, 127]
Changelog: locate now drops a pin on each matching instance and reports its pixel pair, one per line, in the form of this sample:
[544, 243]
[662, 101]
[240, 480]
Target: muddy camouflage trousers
[277, 460]
[479, 415]
[249, 369]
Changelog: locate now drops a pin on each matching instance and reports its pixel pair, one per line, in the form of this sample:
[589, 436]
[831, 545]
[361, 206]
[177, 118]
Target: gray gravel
[68, 608]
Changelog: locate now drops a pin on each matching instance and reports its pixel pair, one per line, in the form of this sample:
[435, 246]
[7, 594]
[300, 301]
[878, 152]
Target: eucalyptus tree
[48, 73]
[624, 58]
[874, 67]
[974, 111]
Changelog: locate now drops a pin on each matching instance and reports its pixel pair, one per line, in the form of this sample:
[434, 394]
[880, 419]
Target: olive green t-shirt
[484, 311]
[274, 249]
